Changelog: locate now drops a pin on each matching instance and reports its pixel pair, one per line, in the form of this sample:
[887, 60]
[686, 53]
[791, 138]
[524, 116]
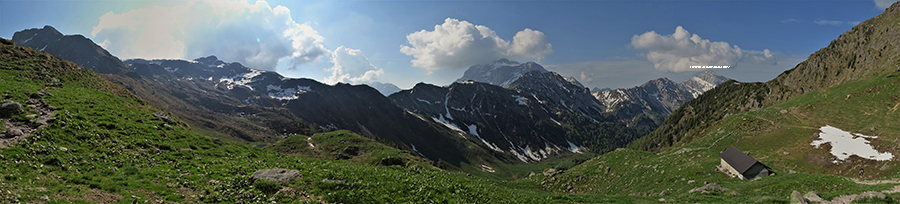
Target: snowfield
[844, 144]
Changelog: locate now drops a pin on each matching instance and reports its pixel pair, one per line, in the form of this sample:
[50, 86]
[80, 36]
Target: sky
[613, 43]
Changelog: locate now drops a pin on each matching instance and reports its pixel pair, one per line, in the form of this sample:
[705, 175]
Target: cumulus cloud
[883, 4]
[458, 44]
[679, 51]
[351, 66]
[587, 77]
[256, 35]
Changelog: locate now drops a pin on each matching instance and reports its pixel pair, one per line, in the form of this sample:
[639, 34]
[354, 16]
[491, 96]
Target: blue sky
[601, 43]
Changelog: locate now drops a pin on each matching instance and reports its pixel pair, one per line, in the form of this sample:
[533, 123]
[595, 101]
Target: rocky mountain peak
[501, 72]
[75, 48]
[208, 59]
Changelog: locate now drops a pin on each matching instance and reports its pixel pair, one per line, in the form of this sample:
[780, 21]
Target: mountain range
[72, 135]
[511, 112]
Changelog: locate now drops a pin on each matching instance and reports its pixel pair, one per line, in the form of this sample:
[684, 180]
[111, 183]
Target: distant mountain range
[509, 111]
[385, 88]
[651, 102]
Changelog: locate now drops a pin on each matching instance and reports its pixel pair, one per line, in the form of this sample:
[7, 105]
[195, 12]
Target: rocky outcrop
[276, 175]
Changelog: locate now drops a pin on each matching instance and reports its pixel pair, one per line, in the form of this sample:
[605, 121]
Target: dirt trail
[795, 126]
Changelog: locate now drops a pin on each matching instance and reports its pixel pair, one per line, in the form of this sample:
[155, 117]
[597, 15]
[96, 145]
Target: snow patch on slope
[519, 99]
[275, 91]
[844, 144]
[575, 148]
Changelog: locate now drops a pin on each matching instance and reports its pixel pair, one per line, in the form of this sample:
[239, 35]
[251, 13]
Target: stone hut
[738, 164]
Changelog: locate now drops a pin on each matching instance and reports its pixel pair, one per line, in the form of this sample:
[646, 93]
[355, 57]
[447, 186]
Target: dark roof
[737, 159]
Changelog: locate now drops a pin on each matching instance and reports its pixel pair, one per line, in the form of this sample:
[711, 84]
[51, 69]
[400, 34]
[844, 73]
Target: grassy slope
[345, 145]
[779, 136]
[106, 148]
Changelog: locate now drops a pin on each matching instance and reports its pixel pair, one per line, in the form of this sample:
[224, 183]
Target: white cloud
[828, 22]
[458, 44]
[256, 35]
[679, 51]
[586, 77]
[790, 20]
[883, 4]
[530, 43]
[351, 66]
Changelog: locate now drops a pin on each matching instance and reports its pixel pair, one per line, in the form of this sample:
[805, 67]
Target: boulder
[164, 117]
[10, 107]
[812, 196]
[797, 198]
[13, 133]
[351, 150]
[276, 175]
[391, 161]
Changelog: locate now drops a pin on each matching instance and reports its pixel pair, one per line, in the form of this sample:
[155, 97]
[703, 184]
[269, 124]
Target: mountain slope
[650, 103]
[386, 89]
[866, 51]
[538, 115]
[501, 72]
[75, 48]
[358, 108]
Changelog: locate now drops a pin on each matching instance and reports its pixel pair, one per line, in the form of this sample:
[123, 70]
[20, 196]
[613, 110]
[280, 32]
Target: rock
[10, 107]
[164, 117]
[391, 161]
[871, 194]
[13, 133]
[351, 150]
[812, 196]
[796, 198]
[708, 188]
[276, 175]
[549, 172]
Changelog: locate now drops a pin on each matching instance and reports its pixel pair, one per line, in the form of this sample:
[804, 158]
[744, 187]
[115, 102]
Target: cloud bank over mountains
[351, 66]
[256, 35]
[680, 50]
[458, 44]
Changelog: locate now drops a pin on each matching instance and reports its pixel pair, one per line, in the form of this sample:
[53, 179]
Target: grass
[345, 145]
[104, 147]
